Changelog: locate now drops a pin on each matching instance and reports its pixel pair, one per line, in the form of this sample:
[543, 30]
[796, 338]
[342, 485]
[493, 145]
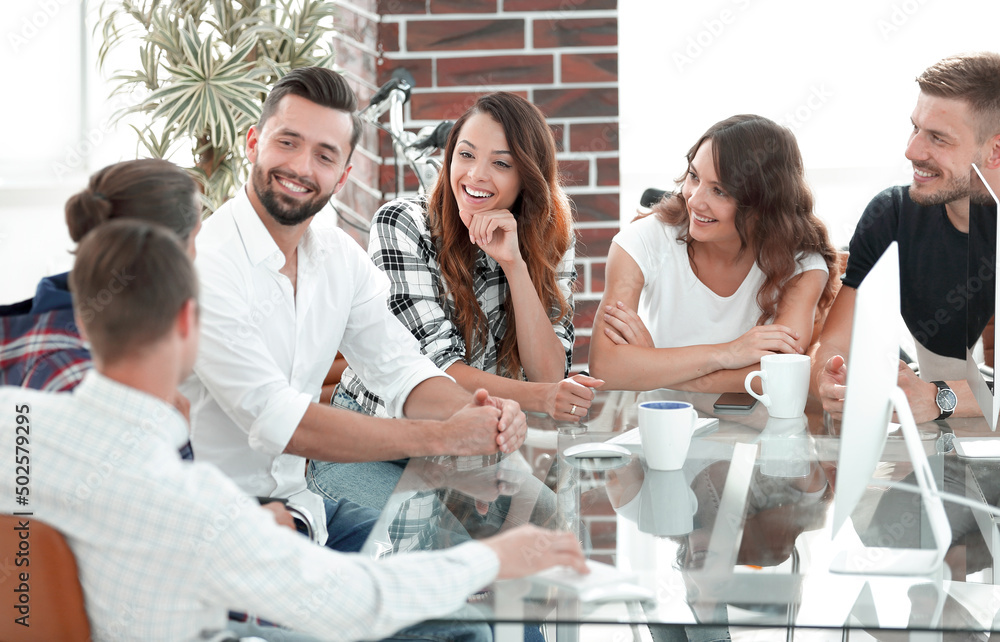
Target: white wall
[840, 74]
[58, 129]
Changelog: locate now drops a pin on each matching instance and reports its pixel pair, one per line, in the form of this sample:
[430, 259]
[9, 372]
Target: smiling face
[941, 148]
[483, 175]
[299, 159]
[711, 210]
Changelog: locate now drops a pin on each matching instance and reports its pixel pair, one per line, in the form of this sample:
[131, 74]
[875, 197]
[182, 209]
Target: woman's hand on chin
[495, 231]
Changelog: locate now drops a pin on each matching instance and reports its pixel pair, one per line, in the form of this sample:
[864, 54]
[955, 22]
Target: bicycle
[420, 151]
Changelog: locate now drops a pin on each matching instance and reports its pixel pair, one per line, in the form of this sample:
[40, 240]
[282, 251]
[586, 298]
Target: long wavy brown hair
[544, 225]
[759, 165]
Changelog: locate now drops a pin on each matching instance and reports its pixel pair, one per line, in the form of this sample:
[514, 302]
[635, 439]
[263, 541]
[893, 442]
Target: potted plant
[204, 67]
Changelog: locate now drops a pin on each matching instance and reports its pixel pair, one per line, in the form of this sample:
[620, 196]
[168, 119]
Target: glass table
[740, 537]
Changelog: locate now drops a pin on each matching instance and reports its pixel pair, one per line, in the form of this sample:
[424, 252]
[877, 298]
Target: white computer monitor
[872, 395]
[983, 252]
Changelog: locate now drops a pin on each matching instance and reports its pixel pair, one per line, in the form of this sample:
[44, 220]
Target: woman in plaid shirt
[481, 272]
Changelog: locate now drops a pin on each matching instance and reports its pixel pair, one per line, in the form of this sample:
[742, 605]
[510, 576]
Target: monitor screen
[872, 396]
[984, 185]
[872, 367]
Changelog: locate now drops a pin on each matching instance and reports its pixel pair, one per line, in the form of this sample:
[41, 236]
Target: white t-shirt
[677, 308]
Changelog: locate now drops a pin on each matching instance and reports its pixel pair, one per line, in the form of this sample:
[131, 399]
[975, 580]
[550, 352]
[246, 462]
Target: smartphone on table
[734, 403]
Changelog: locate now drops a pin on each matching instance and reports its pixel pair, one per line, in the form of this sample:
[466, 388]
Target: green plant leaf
[203, 67]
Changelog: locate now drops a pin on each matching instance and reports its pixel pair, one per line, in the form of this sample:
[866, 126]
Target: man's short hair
[974, 78]
[129, 281]
[322, 86]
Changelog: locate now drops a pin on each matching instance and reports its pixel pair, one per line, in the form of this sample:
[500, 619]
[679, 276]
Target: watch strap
[941, 385]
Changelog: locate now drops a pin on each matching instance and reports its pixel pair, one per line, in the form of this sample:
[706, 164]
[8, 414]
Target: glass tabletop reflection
[739, 536]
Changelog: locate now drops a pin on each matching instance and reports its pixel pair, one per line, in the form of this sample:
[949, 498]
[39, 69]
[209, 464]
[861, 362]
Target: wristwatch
[946, 399]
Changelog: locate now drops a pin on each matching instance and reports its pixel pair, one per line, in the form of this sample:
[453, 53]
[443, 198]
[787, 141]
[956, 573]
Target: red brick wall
[560, 54]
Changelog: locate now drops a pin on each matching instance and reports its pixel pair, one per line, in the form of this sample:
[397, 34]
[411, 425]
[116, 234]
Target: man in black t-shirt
[956, 123]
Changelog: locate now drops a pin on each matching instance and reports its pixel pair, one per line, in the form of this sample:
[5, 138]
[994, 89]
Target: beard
[981, 197]
[280, 207]
[978, 192]
[956, 188]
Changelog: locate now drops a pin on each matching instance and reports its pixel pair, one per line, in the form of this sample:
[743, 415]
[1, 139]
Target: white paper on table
[971, 447]
[599, 585]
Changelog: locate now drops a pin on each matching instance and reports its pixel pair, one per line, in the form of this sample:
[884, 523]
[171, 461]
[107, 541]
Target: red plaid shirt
[40, 346]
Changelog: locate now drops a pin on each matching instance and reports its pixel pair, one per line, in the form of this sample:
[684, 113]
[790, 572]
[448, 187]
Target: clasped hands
[484, 484]
[487, 424]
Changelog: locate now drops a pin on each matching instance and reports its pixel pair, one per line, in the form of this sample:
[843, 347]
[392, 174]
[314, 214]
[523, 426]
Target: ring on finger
[572, 410]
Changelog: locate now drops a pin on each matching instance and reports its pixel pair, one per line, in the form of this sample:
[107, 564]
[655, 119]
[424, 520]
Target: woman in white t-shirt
[731, 268]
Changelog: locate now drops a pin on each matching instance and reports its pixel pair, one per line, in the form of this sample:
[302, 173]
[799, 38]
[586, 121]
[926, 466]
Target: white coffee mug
[784, 378]
[784, 448]
[666, 504]
[665, 428]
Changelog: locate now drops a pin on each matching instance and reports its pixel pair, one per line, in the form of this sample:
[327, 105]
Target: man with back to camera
[282, 296]
[956, 123]
[165, 546]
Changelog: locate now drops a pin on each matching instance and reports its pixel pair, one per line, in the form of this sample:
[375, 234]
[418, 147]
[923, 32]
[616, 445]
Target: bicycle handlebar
[401, 80]
[437, 138]
[414, 150]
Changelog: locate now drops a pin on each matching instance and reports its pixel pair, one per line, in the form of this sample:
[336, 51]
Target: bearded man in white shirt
[165, 546]
[282, 295]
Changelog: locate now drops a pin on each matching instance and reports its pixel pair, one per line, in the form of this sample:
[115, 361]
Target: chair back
[43, 599]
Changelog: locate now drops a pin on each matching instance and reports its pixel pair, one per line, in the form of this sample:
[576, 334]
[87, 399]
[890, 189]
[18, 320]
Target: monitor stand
[880, 560]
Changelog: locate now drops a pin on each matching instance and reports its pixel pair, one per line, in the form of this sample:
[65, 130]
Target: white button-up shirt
[165, 547]
[265, 349]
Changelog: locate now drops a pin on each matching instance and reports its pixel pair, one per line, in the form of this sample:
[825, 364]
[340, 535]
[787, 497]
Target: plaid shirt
[402, 247]
[40, 346]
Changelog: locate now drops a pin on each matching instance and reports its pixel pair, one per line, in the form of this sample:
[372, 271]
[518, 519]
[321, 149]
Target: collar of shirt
[133, 407]
[258, 242]
[52, 294]
[486, 262]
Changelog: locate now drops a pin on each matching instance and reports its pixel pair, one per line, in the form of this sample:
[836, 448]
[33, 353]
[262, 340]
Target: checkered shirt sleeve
[401, 245]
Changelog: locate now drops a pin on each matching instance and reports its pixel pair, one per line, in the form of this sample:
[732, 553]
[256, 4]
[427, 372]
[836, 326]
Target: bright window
[840, 74]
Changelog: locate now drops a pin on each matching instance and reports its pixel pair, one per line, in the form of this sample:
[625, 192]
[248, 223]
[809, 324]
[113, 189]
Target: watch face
[947, 400]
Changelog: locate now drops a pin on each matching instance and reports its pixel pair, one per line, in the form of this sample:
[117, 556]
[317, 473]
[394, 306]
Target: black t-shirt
[938, 294]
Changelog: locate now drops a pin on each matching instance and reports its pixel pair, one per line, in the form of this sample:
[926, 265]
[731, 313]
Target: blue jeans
[368, 483]
[348, 525]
